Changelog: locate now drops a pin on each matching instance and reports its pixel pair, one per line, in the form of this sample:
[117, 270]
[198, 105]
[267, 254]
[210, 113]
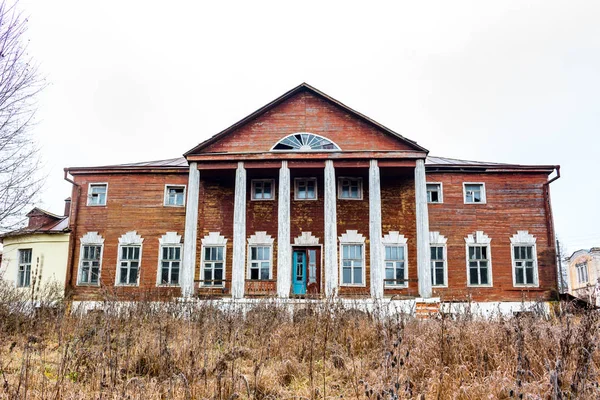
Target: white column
[377, 269]
[423, 252]
[284, 257]
[331, 259]
[191, 232]
[238, 271]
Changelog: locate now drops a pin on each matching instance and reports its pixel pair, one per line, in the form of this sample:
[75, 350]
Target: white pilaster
[238, 271]
[188, 269]
[377, 268]
[423, 252]
[284, 257]
[331, 258]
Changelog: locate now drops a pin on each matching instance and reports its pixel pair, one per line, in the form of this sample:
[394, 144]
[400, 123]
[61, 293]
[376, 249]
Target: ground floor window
[129, 265]
[395, 271]
[524, 264]
[24, 272]
[170, 265]
[352, 264]
[89, 269]
[478, 265]
[438, 270]
[260, 262]
[213, 265]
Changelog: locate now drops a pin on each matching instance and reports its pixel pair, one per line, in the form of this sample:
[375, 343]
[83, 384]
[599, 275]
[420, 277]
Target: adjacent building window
[175, 195]
[263, 189]
[97, 194]
[474, 192]
[350, 188]
[130, 254]
[524, 259]
[89, 268]
[170, 263]
[582, 272]
[352, 252]
[24, 272]
[439, 265]
[434, 193]
[479, 270]
[305, 189]
[260, 256]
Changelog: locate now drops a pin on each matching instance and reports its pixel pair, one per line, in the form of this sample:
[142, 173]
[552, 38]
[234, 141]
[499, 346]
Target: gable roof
[303, 87]
[58, 224]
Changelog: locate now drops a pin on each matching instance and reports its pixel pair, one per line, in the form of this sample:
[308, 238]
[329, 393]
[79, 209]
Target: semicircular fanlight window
[305, 142]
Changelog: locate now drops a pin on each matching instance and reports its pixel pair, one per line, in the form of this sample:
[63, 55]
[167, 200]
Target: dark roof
[298, 89]
[60, 224]
[179, 163]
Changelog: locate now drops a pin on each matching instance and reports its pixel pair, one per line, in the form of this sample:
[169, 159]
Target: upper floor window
[474, 192]
[524, 259]
[175, 195]
[97, 194]
[434, 193]
[263, 189]
[260, 256]
[90, 259]
[582, 272]
[305, 188]
[350, 188]
[24, 272]
[304, 141]
[479, 265]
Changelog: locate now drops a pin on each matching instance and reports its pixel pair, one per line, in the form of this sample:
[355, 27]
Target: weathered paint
[284, 260]
[423, 255]
[331, 256]
[239, 234]
[376, 250]
[191, 232]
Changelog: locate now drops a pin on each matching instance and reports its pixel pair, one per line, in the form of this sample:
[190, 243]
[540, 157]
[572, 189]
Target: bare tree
[20, 181]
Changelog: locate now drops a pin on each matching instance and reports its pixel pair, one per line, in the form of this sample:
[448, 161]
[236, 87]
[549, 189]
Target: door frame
[321, 283]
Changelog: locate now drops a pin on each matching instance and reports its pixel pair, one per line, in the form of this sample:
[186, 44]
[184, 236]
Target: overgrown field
[323, 351]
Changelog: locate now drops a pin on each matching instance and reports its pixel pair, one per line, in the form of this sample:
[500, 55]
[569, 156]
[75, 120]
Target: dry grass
[323, 351]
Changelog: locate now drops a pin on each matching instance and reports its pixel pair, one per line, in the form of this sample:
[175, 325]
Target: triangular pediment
[306, 111]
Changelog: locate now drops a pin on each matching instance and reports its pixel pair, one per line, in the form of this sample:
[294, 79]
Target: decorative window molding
[352, 259]
[435, 192]
[306, 239]
[395, 260]
[474, 193]
[170, 252]
[90, 259]
[305, 141]
[582, 273]
[174, 196]
[262, 189]
[523, 252]
[129, 259]
[305, 189]
[97, 194]
[350, 188]
[479, 260]
[260, 256]
[438, 259]
[214, 256]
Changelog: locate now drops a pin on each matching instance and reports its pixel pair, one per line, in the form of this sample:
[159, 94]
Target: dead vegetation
[324, 350]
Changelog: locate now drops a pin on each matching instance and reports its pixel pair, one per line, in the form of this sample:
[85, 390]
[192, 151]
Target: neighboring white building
[584, 274]
[34, 258]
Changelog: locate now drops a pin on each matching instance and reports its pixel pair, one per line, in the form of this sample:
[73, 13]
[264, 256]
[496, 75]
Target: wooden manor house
[308, 198]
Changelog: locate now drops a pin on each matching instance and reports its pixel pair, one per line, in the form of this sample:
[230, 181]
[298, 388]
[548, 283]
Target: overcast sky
[503, 81]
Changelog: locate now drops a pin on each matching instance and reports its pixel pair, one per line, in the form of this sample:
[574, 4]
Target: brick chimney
[67, 207]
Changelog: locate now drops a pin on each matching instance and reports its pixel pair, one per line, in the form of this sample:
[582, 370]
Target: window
[97, 194]
[212, 265]
[130, 253]
[24, 272]
[305, 189]
[304, 141]
[170, 263]
[479, 268]
[438, 270]
[352, 251]
[89, 267]
[260, 248]
[524, 259]
[582, 272]
[434, 193]
[395, 272]
[175, 195]
[262, 189]
[474, 192]
[350, 188]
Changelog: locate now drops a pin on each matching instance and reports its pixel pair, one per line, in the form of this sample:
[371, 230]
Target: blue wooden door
[299, 272]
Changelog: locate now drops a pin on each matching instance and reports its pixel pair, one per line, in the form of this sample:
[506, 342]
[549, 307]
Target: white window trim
[90, 239]
[89, 196]
[394, 239]
[360, 187]
[252, 185]
[129, 239]
[214, 239]
[524, 239]
[437, 240]
[165, 196]
[338, 148]
[479, 239]
[441, 192]
[297, 180]
[260, 239]
[483, 192]
[169, 239]
[352, 237]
